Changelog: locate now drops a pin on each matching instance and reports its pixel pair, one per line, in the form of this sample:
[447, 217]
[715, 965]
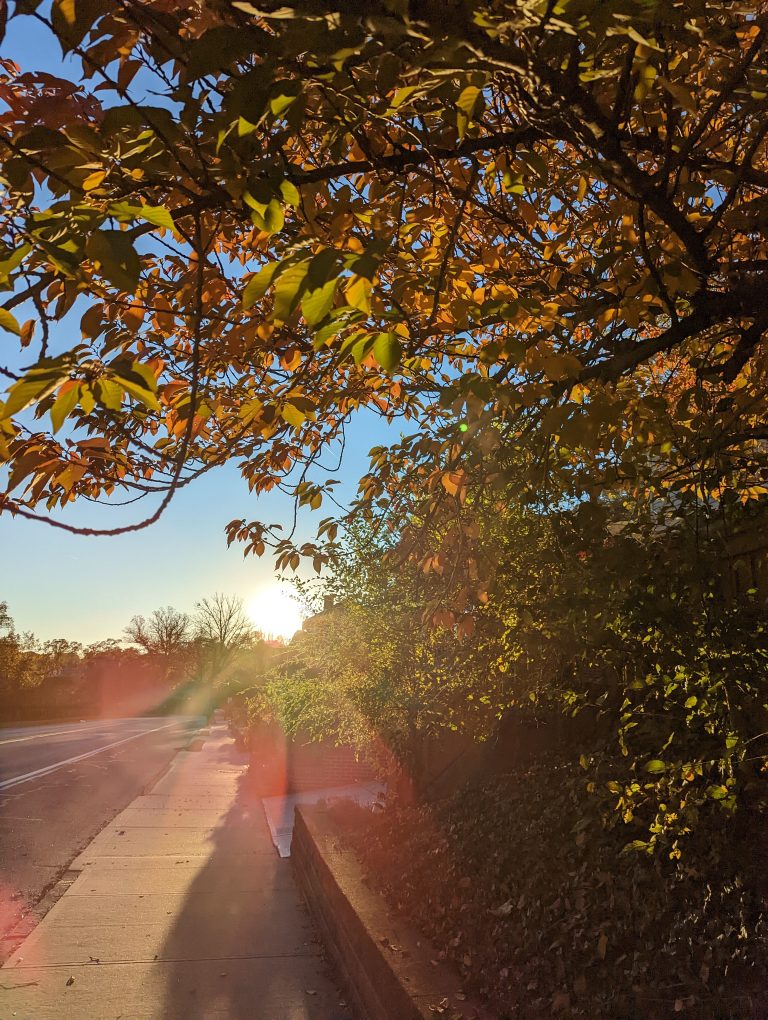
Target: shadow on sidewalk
[243, 946]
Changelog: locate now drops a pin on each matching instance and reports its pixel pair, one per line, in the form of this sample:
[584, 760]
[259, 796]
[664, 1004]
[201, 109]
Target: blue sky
[85, 588]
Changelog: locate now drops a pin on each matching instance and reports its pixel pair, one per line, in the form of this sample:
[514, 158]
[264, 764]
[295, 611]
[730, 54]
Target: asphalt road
[60, 785]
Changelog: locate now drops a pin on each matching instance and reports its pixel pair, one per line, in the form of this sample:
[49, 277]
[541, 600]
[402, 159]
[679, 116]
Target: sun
[275, 612]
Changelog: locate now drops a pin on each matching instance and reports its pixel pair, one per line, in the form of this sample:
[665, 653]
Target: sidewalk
[182, 911]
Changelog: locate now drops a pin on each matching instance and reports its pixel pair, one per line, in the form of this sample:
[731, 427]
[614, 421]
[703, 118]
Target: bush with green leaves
[522, 882]
[584, 618]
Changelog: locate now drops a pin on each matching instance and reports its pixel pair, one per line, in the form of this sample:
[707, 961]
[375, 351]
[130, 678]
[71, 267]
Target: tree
[166, 634]
[19, 667]
[222, 630]
[537, 229]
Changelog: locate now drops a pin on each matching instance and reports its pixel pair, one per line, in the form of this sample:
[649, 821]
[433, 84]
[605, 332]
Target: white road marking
[17, 780]
[56, 733]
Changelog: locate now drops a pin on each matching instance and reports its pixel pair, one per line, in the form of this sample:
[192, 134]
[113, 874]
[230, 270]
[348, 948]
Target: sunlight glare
[275, 613]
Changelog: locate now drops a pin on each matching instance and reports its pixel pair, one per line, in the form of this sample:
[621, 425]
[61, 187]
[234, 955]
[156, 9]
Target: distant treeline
[176, 663]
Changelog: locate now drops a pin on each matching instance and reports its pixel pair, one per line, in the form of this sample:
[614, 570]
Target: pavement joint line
[28, 776]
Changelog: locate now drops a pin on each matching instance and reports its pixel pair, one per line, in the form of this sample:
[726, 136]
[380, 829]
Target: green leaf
[259, 197]
[324, 265]
[109, 393]
[10, 263]
[285, 94]
[62, 406]
[146, 373]
[87, 399]
[388, 351]
[327, 332]
[316, 304]
[637, 844]
[692, 701]
[37, 384]
[218, 48]
[115, 254]
[274, 217]
[9, 322]
[157, 215]
[362, 348]
[290, 193]
[245, 127]
[465, 105]
[656, 765]
[288, 290]
[366, 265]
[140, 393]
[259, 284]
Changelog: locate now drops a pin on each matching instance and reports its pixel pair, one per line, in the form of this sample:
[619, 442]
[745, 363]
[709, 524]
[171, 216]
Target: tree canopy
[537, 229]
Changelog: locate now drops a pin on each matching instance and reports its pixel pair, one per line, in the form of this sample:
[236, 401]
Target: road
[60, 784]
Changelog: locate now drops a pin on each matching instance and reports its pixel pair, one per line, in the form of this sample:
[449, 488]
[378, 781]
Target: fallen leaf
[504, 910]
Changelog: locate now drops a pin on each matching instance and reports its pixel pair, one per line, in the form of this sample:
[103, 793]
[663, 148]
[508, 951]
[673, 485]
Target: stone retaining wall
[388, 969]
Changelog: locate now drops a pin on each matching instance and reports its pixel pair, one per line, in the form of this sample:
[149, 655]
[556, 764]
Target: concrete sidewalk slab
[147, 817]
[276, 988]
[166, 841]
[187, 909]
[152, 934]
[160, 874]
[125, 909]
[210, 802]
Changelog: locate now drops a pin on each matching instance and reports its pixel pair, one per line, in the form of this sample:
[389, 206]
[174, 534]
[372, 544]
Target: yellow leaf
[402, 95]
[9, 322]
[67, 10]
[557, 367]
[293, 415]
[453, 481]
[645, 78]
[358, 294]
[92, 181]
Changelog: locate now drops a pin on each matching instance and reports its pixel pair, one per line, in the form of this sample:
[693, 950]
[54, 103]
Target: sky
[88, 588]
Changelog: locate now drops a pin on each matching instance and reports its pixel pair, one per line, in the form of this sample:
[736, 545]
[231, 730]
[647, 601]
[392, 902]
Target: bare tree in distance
[167, 634]
[221, 629]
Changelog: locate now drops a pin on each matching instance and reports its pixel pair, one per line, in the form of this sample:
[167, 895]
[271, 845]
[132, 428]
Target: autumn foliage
[535, 230]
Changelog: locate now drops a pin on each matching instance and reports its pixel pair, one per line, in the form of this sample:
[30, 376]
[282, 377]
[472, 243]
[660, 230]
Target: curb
[387, 967]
